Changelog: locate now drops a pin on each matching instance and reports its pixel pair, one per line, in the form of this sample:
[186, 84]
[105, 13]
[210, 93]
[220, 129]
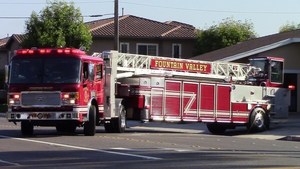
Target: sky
[267, 16]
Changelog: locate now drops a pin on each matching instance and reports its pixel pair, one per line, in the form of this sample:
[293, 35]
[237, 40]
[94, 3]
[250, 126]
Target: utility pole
[116, 25]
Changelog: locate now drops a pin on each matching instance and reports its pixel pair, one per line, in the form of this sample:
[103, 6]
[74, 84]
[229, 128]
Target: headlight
[70, 98]
[14, 99]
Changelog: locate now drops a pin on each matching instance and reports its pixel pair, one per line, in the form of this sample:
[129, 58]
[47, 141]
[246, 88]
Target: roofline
[172, 30]
[108, 23]
[260, 49]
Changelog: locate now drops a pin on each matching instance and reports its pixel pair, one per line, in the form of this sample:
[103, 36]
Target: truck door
[98, 86]
[88, 82]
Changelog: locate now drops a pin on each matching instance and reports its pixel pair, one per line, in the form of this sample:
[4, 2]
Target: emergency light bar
[48, 51]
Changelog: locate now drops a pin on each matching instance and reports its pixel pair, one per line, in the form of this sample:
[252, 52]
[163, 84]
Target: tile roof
[6, 41]
[136, 27]
[130, 27]
[3, 42]
[175, 23]
[252, 46]
[18, 37]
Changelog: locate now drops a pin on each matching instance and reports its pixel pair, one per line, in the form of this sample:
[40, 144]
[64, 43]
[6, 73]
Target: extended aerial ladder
[128, 65]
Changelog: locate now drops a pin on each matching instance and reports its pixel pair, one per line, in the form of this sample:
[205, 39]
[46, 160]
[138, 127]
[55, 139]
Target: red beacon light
[70, 51]
[48, 51]
[44, 51]
[24, 51]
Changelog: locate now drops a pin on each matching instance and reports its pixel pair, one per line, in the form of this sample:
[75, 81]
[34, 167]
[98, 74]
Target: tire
[216, 128]
[26, 128]
[66, 128]
[120, 123]
[258, 120]
[89, 127]
[117, 125]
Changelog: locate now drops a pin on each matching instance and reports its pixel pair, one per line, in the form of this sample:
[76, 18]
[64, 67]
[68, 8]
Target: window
[176, 50]
[88, 71]
[276, 71]
[45, 70]
[124, 47]
[99, 71]
[91, 72]
[147, 49]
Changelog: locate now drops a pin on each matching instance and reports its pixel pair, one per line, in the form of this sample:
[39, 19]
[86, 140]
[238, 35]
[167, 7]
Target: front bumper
[64, 115]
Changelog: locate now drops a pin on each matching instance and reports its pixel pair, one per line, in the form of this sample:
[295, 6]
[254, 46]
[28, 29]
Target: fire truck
[67, 88]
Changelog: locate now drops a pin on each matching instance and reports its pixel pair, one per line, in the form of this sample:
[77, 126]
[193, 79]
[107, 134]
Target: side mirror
[6, 73]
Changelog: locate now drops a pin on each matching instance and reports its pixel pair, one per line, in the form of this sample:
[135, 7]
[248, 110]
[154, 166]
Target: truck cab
[266, 71]
[55, 87]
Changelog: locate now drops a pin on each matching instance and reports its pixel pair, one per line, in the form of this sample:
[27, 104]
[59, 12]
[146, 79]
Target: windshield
[260, 64]
[45, 70]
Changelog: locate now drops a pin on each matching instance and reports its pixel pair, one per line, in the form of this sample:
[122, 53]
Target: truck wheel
[216, 128]
[26, 128]
[89, 127]
[120, 122]
[258, 120]
[117, 125]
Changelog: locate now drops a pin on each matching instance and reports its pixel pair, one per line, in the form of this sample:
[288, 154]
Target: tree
[227, 33]
[58, 25]
[288, 27]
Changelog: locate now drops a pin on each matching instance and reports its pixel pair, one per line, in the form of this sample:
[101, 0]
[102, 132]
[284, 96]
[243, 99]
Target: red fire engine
[67, 88]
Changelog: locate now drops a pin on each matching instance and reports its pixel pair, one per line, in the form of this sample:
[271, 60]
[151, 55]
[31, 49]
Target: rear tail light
[70, 98]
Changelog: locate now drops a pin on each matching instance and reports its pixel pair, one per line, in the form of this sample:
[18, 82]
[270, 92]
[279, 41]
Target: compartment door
[190, 101]
[156, 107]
[207, 102]
[172, 100]
[223, 103]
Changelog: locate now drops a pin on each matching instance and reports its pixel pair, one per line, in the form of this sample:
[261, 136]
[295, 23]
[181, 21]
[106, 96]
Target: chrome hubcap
[259, 120]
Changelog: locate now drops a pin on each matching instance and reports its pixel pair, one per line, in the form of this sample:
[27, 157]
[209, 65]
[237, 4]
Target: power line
[27, 17]
[214, 11]
[44, 3]
[157, 6]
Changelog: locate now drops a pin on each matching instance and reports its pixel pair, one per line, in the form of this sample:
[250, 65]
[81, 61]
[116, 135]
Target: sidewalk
[287, 130]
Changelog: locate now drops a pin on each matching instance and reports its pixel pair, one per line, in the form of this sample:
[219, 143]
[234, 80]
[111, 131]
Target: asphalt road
[144, 147]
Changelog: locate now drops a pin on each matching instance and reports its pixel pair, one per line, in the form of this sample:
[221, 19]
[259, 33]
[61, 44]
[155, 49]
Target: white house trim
[260, 49]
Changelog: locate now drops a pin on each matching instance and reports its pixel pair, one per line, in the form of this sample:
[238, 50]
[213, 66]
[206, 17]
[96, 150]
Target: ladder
[129, 65]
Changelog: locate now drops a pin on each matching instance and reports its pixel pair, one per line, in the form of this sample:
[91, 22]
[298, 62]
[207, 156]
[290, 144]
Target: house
[286, 45]
[3, 53]
[7, 46]
[144, 36]
[136, 35]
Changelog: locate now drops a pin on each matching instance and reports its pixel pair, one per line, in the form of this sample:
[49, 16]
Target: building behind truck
[67, 89]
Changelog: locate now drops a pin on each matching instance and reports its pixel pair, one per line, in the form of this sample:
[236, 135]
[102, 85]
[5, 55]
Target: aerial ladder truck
[67, 88]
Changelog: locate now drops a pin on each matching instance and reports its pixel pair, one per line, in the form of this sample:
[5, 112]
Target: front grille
[41, 99]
